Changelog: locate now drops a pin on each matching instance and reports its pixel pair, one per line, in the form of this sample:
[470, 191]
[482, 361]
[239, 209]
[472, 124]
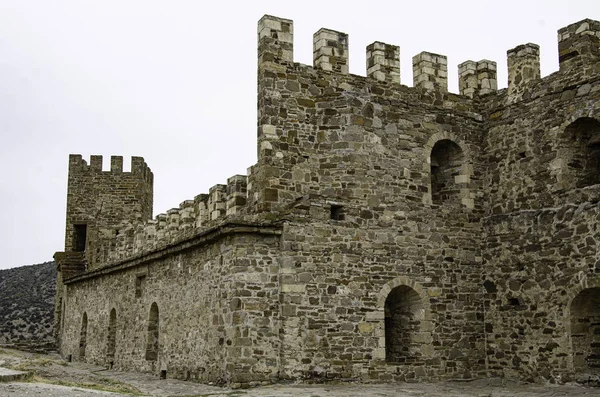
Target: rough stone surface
[386, 233]
[183, 389]
[9, 375]
[89, 380]
[27, 307]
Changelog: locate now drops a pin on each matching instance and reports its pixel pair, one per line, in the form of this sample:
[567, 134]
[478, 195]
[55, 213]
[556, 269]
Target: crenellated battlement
[523, 68]
[477, 78]
[191, 217]
[579, 47]
[383, 62]
[78, 165]
[430, 71]
[330, 50]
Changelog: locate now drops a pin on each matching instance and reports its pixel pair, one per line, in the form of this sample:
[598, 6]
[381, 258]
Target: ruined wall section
[541, 231]
[218, 312]
[331, 140]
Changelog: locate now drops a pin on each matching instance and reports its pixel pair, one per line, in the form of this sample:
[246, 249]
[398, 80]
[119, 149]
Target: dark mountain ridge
[27, 306]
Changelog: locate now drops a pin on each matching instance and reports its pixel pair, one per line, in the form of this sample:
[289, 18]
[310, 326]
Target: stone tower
[100, 204]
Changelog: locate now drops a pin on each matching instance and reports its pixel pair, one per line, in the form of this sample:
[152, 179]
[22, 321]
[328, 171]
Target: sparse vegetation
[44, 370]
[236, 393]
[27, 305]
[106, 384]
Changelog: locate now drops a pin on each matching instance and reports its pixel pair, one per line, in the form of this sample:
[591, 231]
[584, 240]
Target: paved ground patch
[54, 377]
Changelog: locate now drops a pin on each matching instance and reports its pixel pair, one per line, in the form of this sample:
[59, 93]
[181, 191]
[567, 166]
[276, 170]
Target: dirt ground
[53, 377]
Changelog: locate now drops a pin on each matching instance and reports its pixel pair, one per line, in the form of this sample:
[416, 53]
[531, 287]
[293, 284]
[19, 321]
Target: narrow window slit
[337, 213]
[79, 237]
[140, 283]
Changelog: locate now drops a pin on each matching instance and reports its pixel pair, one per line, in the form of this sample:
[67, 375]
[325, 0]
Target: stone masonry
[386, 232]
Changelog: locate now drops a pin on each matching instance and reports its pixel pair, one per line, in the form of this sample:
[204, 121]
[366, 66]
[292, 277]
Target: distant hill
[27, 306]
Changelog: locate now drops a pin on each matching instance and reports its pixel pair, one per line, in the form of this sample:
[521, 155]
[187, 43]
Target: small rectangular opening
[163, 374]
[79, 237]
[140, 282]
[337, 212]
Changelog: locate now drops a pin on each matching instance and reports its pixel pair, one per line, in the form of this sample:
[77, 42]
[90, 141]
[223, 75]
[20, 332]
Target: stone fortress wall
[385, 233]
[541, 231]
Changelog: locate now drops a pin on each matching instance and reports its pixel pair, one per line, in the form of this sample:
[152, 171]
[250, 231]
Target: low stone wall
[207, 313]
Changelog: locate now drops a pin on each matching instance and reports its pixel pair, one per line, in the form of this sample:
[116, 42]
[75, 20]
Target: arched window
[83, 335]
[579, 152]
[404, 312]
[153, 327]
[585, 331]
[112, 337]
[446, 162]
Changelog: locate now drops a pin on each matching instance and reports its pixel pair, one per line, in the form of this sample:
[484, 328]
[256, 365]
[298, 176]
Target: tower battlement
[78, 165]
[579, 45]
[101, 202]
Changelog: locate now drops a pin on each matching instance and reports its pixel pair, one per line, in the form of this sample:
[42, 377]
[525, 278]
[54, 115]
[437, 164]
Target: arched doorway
[153, 335]
[83, 335]
[446, 164]
[585, 331]
[112, 337]
[404, 312]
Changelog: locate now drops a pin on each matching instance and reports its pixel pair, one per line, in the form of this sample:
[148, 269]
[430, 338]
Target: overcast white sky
[175, 82]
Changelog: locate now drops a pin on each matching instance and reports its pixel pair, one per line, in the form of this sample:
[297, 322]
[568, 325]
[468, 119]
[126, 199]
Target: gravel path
[173, 388]
[45, 390]
[76, 378]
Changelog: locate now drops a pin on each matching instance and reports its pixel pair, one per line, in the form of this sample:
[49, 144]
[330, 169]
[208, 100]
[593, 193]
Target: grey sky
[175, 82]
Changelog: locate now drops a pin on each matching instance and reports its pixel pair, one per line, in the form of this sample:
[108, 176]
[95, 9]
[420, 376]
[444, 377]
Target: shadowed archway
[585, 331]
[404, 311]
[112, 337]
[446, 163]
[578, 154]
[83, 335]
[153, 333]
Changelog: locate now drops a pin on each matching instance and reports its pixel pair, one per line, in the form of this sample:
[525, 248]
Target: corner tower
[100, 203]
